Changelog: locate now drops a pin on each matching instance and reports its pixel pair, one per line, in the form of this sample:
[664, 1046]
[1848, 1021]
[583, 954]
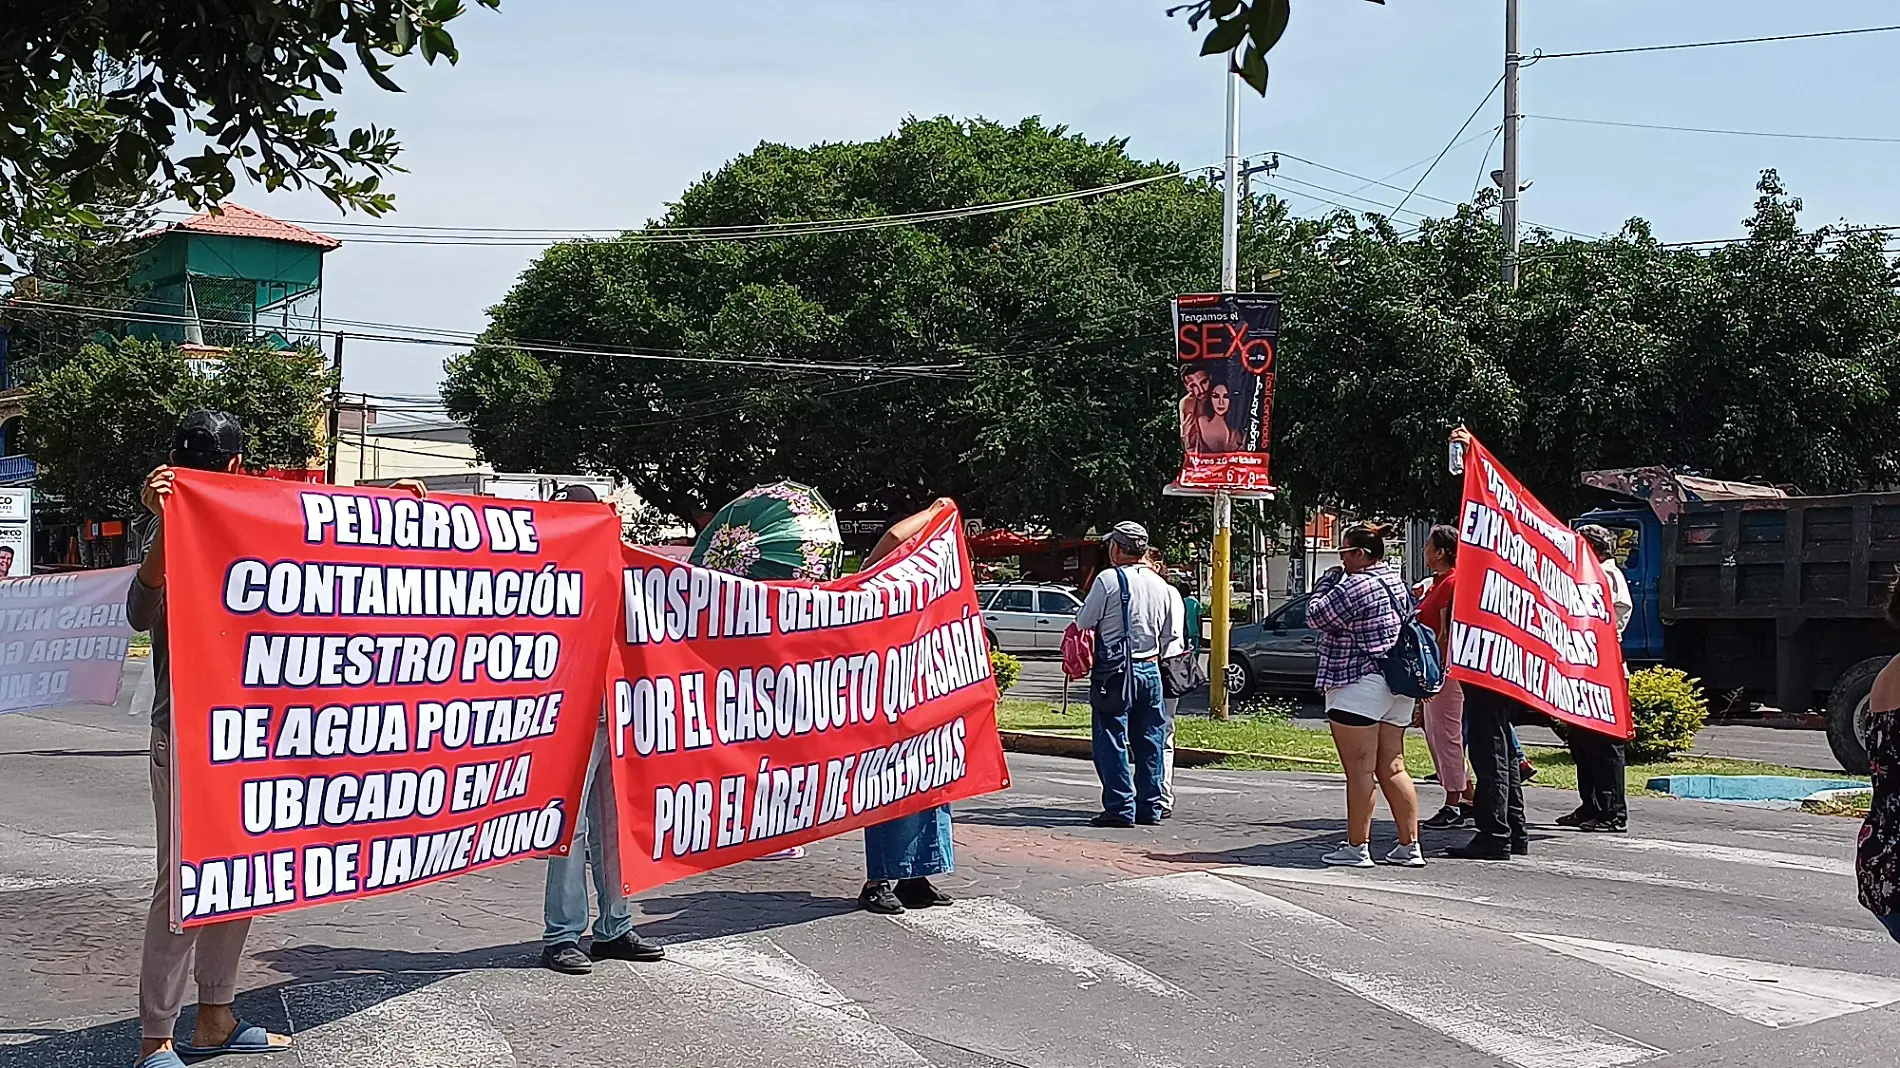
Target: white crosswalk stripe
[1525, 1041]
[1764, 858]
[995, 926]
[1777, 995]
[1005, 982]
[381, 1022]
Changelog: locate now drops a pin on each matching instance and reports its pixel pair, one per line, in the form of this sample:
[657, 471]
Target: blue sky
[595, 113]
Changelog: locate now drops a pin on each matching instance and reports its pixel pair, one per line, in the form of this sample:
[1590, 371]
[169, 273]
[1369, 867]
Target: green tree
[98, 424]
[101, 93]
[1775, 357]
[1014, 360]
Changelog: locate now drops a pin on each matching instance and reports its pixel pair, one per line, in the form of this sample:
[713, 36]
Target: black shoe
[1481, 847]
[629, 946]
[1520, 847]
[1468, 811]
[1433, 777]
[1575, 819]
[566, 958]
[919, 894]
[1164, 813]
[1106, 819]
[1604, 826]
[1150, 821]
[877, 897]
[1447, 818]
[1526, 771]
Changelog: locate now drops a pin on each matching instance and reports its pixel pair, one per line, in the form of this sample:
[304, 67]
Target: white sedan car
[1027, 617]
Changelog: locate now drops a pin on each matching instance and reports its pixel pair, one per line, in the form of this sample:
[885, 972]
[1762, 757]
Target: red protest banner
[1531, 617]
[1225, 344]
[748, 717]
[370, 691]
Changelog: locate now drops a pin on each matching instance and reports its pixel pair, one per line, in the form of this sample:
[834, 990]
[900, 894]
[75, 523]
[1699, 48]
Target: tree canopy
[102, 93]
[1021, 361]
[100, 422]
[1001, 358]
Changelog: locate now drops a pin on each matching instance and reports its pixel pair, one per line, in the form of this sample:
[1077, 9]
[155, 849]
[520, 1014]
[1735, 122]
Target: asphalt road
[1042, 679]
[1712, 935]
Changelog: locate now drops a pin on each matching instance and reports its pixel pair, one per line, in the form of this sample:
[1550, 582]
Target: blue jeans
[596, 843]
[909, 847]
[1129, 731]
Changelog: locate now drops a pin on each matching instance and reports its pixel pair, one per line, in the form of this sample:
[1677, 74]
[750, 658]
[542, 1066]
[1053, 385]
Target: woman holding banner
[1600, 760]
[789, 531]
[1358, 608]
[1445, 711]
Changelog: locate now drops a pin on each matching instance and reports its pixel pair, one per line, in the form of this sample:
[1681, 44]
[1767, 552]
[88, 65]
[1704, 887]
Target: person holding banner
[789, 531]
[1358, 609]
[206, 441]
[1128, 608]
[595, 845]
[901, 855]
[1600, 760]
[1445, 711]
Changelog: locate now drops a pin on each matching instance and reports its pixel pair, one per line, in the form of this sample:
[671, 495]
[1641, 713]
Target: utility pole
[1223, 592]
[1511, 116]
[336, 404]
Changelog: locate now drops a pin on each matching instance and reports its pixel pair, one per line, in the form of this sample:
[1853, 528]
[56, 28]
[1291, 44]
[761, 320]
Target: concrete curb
[1813, 802]
[1048, 743]
[1747, 787]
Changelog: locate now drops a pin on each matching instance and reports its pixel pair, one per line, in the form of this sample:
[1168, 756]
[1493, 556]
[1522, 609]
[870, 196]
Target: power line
[1383, 184]
[1420, 162]
[1536, 56]
[1454, 140]
[1709, 130]
[1478, 182]
[405, 234]
[735, 361]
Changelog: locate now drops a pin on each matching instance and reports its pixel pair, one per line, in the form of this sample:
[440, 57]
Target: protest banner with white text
[747, 717]
[63, 638]
[1532, 618]
[372, 691]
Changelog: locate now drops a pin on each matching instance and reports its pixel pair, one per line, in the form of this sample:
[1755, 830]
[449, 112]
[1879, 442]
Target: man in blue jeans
[1128, 609]
[597, 844]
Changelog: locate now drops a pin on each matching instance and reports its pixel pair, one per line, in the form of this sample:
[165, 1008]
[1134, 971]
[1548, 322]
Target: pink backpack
[1078, 652]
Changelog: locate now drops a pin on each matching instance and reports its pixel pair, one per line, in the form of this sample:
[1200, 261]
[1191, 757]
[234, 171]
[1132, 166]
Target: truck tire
[1846, 708]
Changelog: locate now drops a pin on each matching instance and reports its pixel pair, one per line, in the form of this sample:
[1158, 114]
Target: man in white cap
[1128, 609]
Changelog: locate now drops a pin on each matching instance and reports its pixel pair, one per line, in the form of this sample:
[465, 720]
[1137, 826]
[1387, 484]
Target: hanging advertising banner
[1531, 618]
[63, 638]
[748, 717]
[16, 533]
[1225, 346]
[371, 691]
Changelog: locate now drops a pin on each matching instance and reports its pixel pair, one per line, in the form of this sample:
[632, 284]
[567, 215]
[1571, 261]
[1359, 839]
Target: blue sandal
[245, 1038]
[164, 1058]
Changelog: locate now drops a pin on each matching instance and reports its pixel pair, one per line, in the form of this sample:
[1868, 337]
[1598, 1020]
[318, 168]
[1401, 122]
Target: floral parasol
[779, 531]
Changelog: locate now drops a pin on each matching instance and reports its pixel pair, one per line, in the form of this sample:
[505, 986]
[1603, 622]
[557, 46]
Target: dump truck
[1767, 596]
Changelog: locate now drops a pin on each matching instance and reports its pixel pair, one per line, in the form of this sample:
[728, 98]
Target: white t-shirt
[1151, 619]
[1177, 624]
[1621, 604]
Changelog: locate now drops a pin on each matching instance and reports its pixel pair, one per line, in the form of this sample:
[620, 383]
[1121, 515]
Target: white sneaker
[1406, 856]
[1350, 856]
